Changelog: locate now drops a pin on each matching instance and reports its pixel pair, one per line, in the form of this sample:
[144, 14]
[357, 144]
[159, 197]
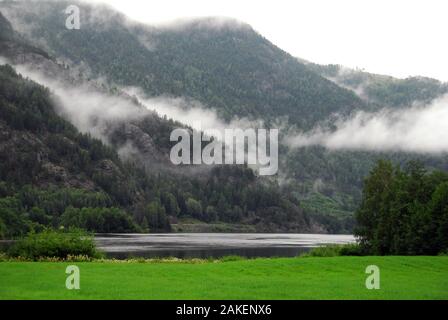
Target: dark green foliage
[170, 203]
[102, 220]
[234, 70]
[38, 142]
[156, 216]
[62, 155]
[14, 220]
[404, 212]
[34, 209]
[194, 208]
[352, 249]
[55, 244]
[55, 200]
[404, 93]
[6, 31]
[231, 68]
[27, 106]
[385, 91]
[2, 229]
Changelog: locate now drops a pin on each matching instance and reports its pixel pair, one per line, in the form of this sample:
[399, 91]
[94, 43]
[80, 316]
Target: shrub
[102, 220]
[55, 244]
[231, 258]
[324, 251]
[2, 229]
[352, 249]
[334, 250]
[3, 257]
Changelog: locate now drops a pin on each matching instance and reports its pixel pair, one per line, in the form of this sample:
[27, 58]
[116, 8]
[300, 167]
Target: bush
[102, 220]
[231, 258]
[352, 249]
[55, 244]
[335, 250]
[324, 251]
[2, 229]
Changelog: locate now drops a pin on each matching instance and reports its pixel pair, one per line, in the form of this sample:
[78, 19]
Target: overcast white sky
[396, 37]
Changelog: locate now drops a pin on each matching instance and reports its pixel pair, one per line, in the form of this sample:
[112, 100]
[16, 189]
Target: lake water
[205, 245]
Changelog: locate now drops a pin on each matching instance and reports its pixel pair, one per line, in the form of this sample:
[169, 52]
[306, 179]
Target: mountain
[42, 150]
[225, 65]
[13, 45]
[53, 175]
[6, 31]
[386, 91]
[228, 68]
[48, 167]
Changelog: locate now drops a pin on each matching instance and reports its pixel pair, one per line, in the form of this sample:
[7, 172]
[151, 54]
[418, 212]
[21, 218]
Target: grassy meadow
[276, 278]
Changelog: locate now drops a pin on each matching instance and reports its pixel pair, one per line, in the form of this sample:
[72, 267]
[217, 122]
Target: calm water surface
[205, 245]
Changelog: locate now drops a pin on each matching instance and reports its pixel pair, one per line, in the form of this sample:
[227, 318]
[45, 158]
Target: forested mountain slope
[40, 151]
[386, 91]
[230, 68]
[51, 174]
[226, 65]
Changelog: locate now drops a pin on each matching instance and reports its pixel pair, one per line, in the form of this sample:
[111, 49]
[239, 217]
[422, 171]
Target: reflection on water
[205, 245]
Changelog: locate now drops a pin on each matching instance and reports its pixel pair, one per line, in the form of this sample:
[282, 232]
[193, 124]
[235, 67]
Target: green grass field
[279, 278]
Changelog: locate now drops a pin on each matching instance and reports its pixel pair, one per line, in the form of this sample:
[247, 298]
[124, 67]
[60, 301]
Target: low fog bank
[89, 110]
[96, 112]
[190, 112]
[417, 129]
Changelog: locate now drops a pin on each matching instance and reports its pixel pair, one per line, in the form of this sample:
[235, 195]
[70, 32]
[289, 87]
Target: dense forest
[235, 71]
[53, 175]
[231, 69]
[404, 211]
[383, 90]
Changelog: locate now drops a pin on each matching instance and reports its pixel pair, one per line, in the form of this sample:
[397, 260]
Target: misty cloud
[94, 112]
[195, 115]
[85, 107]
[417, 129]
[190, 112]
[89, 109]
[345, 74]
